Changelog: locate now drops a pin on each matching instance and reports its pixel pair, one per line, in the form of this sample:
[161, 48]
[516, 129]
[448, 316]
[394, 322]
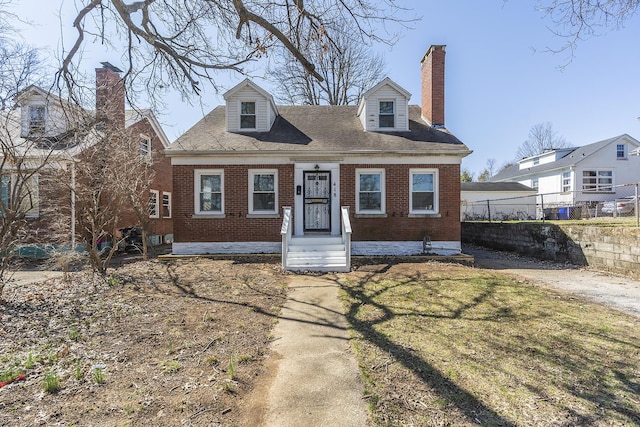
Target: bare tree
[542, 137]
[348, 69]
[173, 43]
[580, 19]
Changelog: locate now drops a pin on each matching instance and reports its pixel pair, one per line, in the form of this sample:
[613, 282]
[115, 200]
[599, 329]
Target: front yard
[438, 344]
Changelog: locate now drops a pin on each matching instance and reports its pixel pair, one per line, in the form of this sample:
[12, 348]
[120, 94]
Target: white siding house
[497, 200]
[583, 175]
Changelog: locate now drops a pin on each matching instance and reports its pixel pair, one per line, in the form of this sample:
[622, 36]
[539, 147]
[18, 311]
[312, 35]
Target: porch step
[323, 254]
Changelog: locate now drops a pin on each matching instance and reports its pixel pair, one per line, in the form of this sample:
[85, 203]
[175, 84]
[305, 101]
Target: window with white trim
[621, 151]
[386, 117]
[423, 191]
[536, 161]
[597, 181]
[535, 184]
[247, 115]
[263, 191]
[566, 182]
[154, 195]
[37, 115]
[166, 205]
[370, 191]
[145, 147]
[209, 191]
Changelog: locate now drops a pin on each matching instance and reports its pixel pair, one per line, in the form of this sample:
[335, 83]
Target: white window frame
[383, 193]
[145, 147]
[393, 104]
[535, 183]
[154, 198]
[166, 196]
[623, 151]
[255, 114]
[39, 127]
[197, 188]
[536, 161]
[599, 187]
[436, 191]
[565, 182]
[251, 174]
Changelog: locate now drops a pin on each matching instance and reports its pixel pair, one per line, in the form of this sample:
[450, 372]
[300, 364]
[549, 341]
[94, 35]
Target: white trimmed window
[566, 182]
[370, 191]
[247, 115]
[386, 117]
[36, 119]
[263, 191]
[145, 147]
[621, 151]
[423, 191]
[598, 181]
[209, 191]
[535, 184]
[153, 203]
[166, 205]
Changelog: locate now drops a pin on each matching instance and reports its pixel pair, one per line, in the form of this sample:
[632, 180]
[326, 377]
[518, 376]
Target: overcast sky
[500, 79]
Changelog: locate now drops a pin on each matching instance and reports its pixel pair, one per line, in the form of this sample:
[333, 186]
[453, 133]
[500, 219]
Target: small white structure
[497, 201]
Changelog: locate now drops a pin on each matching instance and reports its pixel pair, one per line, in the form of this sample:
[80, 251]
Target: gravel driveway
[615, 291]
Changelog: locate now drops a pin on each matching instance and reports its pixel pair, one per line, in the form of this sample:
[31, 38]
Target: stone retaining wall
[616, 249]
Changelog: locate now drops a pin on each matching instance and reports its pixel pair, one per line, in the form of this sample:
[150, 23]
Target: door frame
[334, 212]
[327, 206]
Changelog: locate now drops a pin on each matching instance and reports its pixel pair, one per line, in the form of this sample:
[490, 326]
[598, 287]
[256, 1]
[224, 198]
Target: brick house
[256, 177]
[40, 121]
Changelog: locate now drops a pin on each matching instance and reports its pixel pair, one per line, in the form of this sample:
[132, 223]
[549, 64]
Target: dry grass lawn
[446, 344]
[438, 344]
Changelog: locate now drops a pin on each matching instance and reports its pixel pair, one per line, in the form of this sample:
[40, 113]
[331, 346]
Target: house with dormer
[55, 133]
[318, 183]
[579, 176]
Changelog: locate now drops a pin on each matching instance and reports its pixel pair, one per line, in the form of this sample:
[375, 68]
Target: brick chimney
[109, 96]
[432, 65]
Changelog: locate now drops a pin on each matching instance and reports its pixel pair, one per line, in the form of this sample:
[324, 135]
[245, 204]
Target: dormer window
[36, 119]
[386, 118]
[247, 115]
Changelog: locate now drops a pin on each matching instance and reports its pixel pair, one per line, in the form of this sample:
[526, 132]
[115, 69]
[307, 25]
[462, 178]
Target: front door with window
[317, 201]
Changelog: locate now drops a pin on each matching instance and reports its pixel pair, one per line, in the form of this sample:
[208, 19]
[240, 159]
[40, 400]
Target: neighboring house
[583, 176]
[497, 201]
[48, 128]
[394, 165]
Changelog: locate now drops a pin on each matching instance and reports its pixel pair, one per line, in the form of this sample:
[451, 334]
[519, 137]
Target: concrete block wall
[616, 249]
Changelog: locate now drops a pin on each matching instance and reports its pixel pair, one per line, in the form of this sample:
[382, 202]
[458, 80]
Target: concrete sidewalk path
[314, 379]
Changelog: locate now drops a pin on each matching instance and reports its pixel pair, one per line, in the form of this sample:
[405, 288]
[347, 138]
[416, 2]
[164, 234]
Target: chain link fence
[617, 201]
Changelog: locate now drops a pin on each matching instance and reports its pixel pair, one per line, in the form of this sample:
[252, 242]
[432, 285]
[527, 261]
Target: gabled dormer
[384, 108]
[249, 108]
[41, 114]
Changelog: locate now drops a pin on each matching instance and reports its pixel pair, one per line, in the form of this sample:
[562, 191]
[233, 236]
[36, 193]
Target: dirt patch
[159, 344]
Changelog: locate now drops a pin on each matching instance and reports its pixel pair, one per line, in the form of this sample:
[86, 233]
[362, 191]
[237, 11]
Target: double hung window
[263, 194]
[424, 191]
[370, 191]
[209, 191]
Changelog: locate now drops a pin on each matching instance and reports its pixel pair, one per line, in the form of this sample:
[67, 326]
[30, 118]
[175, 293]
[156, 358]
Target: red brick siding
[397, 226]
[235, 227]
[162, 180]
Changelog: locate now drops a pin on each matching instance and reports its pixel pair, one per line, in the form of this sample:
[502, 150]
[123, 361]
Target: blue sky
[500, 79]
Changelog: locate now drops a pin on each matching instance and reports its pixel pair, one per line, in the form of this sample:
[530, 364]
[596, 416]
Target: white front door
[317, 201]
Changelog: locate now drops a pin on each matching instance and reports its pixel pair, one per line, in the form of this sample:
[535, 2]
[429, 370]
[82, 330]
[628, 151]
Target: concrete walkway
[314, 379]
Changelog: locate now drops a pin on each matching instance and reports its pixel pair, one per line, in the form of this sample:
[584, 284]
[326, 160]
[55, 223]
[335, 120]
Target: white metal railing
[346, 235]
[285, 231]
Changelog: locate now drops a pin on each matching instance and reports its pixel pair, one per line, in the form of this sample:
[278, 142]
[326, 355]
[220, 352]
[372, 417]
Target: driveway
[615, 291]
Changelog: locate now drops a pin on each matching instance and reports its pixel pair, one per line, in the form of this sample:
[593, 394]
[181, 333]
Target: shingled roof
[495, 186]
[574, 157]
[317, 129]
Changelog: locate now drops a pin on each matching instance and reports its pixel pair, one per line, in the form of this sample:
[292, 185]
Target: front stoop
[322, 254]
